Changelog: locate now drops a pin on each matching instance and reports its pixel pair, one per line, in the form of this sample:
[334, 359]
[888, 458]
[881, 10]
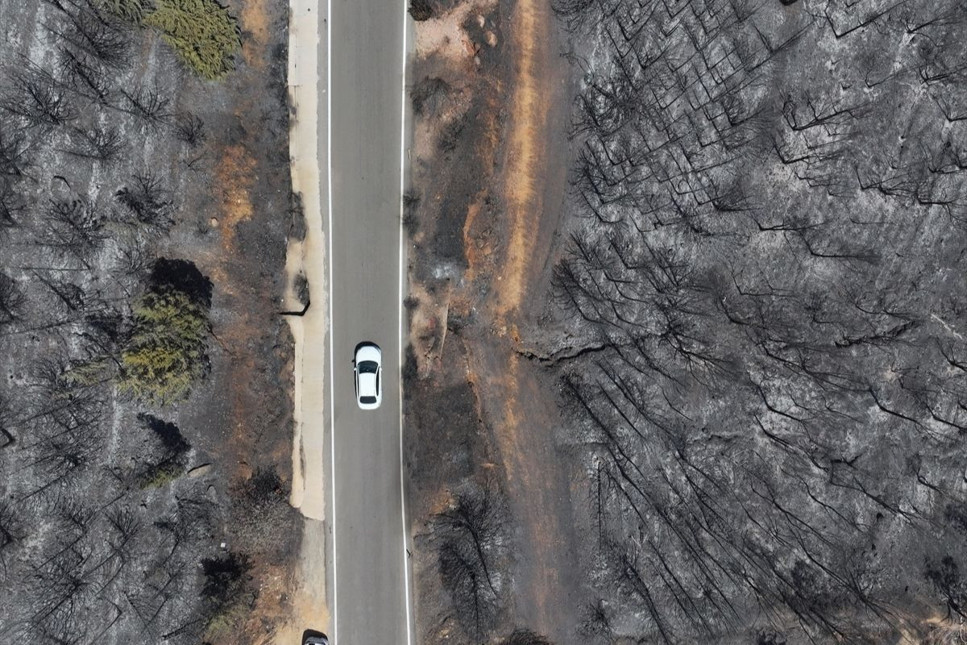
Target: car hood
[368, 353]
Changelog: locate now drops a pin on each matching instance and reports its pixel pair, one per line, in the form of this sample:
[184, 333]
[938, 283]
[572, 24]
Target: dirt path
[525, 163]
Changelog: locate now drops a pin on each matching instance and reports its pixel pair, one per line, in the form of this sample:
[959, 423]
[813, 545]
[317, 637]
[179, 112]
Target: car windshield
[367, 399]
[367, 367]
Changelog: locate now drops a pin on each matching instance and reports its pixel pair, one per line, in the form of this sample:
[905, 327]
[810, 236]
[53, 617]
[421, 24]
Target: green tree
[167, 350]
[202, 32]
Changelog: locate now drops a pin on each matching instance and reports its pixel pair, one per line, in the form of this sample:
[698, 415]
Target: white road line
[332, 357]
[406, 566]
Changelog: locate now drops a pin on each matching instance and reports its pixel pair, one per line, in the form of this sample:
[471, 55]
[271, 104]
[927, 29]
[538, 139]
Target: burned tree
[146, 204]
[148, 105]
[13, 149]
[75, 229]
[36, 98]
[748, 262]
[12, 299]
[98, 144]
[468, 537]
[190, 129]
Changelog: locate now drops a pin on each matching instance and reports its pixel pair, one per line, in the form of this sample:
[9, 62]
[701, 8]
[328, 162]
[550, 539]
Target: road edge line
[402, 338]
[332, 356]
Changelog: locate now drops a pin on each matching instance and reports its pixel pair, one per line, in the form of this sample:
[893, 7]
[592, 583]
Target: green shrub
[130, 10]
[167, 350]
[202, 32]
[226, 620]
[88, 373]
[161, 474]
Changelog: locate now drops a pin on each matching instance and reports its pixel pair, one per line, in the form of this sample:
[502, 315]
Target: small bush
[411, 223]
[411, 369]
[421, 10]
[130, 10]
[171, 464]
[525, 637]
[224, 577]
[161, 474]
[428, 95]
[770, 637]
[225, 620]
[202, 32]
[226, 591]
[450, 136]
[267, 526]
[301, 288]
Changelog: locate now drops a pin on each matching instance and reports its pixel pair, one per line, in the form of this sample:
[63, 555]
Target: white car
[367, 368]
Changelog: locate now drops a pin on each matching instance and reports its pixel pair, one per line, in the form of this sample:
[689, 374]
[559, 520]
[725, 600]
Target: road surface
[366, 56]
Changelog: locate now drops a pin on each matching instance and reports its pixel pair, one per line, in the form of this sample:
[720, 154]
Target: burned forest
[118, 483]
[760, 304]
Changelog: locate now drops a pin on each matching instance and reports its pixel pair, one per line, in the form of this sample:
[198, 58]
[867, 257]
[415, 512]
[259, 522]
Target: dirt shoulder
[520, 406]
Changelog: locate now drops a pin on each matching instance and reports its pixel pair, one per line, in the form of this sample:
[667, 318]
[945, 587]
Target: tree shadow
[184, 276]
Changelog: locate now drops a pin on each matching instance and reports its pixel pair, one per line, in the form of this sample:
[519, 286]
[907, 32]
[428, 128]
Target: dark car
[316, 640]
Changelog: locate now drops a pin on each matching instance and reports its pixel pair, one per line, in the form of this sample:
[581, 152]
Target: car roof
[367, 384]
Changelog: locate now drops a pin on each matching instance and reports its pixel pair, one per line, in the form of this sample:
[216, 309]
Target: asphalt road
[366, 75]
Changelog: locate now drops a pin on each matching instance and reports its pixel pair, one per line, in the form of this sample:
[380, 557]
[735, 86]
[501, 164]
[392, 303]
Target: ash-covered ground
[765, 285]
[750, 321]
[124, 520]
